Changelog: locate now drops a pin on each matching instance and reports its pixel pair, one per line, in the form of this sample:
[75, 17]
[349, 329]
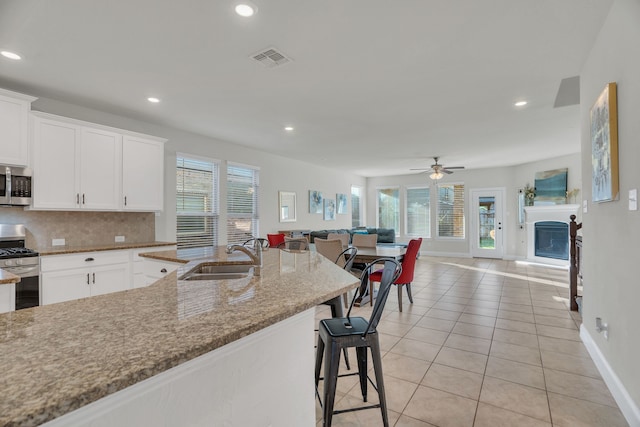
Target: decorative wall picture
[329, 209]
[551, 187]
[341, 200]
[315, 202]
[604, 146]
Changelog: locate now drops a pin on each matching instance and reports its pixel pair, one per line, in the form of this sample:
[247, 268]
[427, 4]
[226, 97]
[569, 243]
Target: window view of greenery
[486, 220]
[242, 204]
[356, 199]
[418, 211]
[196, 203]
[451, 210]
[389, 208]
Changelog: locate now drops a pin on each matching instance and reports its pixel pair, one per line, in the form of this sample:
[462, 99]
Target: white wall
[612, 232]
[511, 178]
[276, 173]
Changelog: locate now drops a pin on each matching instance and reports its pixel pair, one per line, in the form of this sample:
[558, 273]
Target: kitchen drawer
[84, 259]
[157, 269]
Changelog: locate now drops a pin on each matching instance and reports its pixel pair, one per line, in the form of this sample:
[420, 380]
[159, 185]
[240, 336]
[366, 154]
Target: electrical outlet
[119, 239]
[58, 242]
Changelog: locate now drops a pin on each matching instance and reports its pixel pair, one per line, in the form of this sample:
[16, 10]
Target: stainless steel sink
[219, 272]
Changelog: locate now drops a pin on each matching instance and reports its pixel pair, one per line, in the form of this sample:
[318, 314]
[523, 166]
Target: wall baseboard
[628, 407]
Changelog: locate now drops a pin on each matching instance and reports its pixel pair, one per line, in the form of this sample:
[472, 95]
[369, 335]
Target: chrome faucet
[256, 256]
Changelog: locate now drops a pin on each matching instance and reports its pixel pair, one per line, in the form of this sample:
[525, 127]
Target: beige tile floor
[486, 343]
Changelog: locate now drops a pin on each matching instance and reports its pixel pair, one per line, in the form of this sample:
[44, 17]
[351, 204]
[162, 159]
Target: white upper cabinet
[56, 160]
[100, 154]
[142, 174]
[14, 128]
[79, 166]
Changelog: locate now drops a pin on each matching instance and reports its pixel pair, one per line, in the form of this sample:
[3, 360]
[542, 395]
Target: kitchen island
[254, 333]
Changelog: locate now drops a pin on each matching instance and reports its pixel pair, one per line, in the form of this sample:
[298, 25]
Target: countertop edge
[99, 248]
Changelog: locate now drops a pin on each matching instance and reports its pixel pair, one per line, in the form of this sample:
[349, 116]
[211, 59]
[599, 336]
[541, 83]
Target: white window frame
[388, 187]
[406, 210]
[215, 200]
[464, 214]
[255, 216]
[361, 204]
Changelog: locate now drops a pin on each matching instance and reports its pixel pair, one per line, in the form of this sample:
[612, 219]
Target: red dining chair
[275, 239]
[408, 266]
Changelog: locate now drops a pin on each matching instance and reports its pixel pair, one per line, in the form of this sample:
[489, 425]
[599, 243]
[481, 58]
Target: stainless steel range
[23, 262]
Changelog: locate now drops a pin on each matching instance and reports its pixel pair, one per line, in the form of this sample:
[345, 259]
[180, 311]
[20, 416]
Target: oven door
[28, 289]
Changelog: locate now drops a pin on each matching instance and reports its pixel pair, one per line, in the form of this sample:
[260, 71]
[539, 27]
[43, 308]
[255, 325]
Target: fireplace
[548, 233]
[551, 239]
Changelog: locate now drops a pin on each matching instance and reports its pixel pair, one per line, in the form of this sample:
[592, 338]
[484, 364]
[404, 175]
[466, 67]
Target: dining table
[368, 255]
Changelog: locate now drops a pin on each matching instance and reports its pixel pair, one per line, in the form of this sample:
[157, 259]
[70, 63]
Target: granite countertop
[8, 278]
[59, 357]
[60, 250]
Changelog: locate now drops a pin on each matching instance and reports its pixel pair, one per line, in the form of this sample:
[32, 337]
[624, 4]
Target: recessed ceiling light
[520, 103]
[152, 99]
[10, 55]
[288, 128]
[246, 9]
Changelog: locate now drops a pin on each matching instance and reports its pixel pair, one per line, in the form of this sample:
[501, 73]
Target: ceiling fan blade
[446, 171]
[454, 167]
[421, 169]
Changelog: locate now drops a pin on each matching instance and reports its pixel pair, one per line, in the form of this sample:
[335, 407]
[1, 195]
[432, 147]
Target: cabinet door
[66, 285]
[110, 278]
[100, 154]
[14, 114]
[55, 165]
[142, 174]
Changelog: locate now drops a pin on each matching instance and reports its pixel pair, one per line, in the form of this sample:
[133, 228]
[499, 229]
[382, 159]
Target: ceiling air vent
[270, 58]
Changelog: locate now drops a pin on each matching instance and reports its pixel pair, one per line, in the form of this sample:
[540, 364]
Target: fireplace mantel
[561, 213]
[533, 214]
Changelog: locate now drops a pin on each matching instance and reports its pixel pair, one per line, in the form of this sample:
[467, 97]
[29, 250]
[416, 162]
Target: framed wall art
[604, 146]
[329, 210]
[341, 201]
[315, 202]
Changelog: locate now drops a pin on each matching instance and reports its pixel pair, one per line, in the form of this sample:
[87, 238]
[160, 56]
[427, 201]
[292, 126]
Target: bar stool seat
[338, 334]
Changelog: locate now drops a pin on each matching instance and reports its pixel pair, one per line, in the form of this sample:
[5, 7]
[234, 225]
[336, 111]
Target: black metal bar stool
[337, 334]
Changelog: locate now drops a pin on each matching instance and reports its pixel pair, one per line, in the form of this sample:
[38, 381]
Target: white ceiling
[374, 86]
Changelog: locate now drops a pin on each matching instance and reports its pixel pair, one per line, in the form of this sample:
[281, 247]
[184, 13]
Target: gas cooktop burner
[17, 253]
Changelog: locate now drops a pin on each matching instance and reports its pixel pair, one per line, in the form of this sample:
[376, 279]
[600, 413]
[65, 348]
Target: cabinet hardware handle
[87, 278]
[125, 200]
[94, 278]
[89, 259]
[83, 198]
[77, 198]
[164, 270]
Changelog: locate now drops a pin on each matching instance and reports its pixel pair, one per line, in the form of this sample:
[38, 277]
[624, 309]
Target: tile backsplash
[80, 228]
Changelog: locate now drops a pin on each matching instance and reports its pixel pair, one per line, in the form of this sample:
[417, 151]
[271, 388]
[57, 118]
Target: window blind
[356, 207]
[242, 203]
[418, 211]
[197, 201]
[451, 210]
[389, 208]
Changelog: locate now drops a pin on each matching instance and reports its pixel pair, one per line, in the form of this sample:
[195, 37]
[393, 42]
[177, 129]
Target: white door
[487, 222]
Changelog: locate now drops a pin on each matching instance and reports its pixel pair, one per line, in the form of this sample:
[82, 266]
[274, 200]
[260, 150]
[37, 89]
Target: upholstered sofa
[385, 235]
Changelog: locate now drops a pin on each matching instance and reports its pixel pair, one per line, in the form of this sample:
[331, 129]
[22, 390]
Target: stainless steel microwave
[15, 186]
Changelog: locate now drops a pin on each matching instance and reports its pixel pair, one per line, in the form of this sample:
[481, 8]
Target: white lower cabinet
[155, 269]
[74, 276]
[146, 270]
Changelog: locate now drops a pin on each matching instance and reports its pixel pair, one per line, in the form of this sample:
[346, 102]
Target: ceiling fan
[437, 170]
